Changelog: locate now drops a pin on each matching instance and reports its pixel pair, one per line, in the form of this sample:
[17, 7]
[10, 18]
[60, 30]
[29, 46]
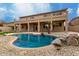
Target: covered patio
[58, 26]
[24, 27]
[33, 27]
[45, 26]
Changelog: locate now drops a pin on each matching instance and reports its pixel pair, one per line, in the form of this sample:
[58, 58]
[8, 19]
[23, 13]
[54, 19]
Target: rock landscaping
[69, 47]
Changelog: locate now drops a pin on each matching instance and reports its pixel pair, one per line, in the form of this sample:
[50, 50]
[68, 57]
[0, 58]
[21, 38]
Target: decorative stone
[57, 41]
[72, 39]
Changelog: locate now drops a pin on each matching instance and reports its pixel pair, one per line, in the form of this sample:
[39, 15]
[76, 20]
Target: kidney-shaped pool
[33, 41]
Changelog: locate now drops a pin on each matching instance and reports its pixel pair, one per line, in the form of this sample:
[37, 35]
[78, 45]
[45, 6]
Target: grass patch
[4, 33]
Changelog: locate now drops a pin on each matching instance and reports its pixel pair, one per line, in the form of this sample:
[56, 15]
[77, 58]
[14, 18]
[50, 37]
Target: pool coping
[34, 34]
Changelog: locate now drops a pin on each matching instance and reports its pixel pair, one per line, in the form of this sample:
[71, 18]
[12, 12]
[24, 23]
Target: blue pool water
[33, 41]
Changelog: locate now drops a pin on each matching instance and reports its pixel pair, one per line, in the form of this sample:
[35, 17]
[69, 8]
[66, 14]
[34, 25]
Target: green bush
[3, 33]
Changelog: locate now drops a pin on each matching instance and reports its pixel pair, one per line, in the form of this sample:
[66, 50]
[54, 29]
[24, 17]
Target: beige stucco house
[55, 21]
[4, 28]
[74, 24]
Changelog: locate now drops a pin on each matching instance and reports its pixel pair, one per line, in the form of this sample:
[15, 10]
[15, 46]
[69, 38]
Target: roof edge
[45, 13]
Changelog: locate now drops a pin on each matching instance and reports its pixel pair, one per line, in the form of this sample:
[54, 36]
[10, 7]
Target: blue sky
[9, 11]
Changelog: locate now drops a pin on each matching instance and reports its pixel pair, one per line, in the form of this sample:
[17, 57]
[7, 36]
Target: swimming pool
[33, 41]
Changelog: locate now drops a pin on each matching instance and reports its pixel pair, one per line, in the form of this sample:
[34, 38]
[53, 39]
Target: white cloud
[77, 11]
[24, 9]
[69, 10]
[2, 9]
[42, 7]
[11, 11]
[2, 13]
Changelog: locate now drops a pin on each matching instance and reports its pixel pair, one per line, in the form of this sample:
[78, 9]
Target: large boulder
[72, 39]
[58, 41]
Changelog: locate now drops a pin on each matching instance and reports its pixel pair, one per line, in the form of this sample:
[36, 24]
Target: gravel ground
[7, 49]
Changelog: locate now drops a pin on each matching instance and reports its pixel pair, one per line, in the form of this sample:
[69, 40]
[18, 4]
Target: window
[58, 13]
[58, 24]
[31, 17]
[46, 15]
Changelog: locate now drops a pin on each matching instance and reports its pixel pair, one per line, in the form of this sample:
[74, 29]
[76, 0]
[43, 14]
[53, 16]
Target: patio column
[38, 26]
[28, 27]
[66, 26]
[19, 27]
[51, 26]
[15, 27]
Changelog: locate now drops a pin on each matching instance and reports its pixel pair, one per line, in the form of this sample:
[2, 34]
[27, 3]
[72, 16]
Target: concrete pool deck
[7, 49]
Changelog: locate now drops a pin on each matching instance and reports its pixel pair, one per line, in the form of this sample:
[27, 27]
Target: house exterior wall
[59, 28]
[6, 29]
[74, 28]
[75, 22]
[74, 25]
[45, 17]
[57, 16]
